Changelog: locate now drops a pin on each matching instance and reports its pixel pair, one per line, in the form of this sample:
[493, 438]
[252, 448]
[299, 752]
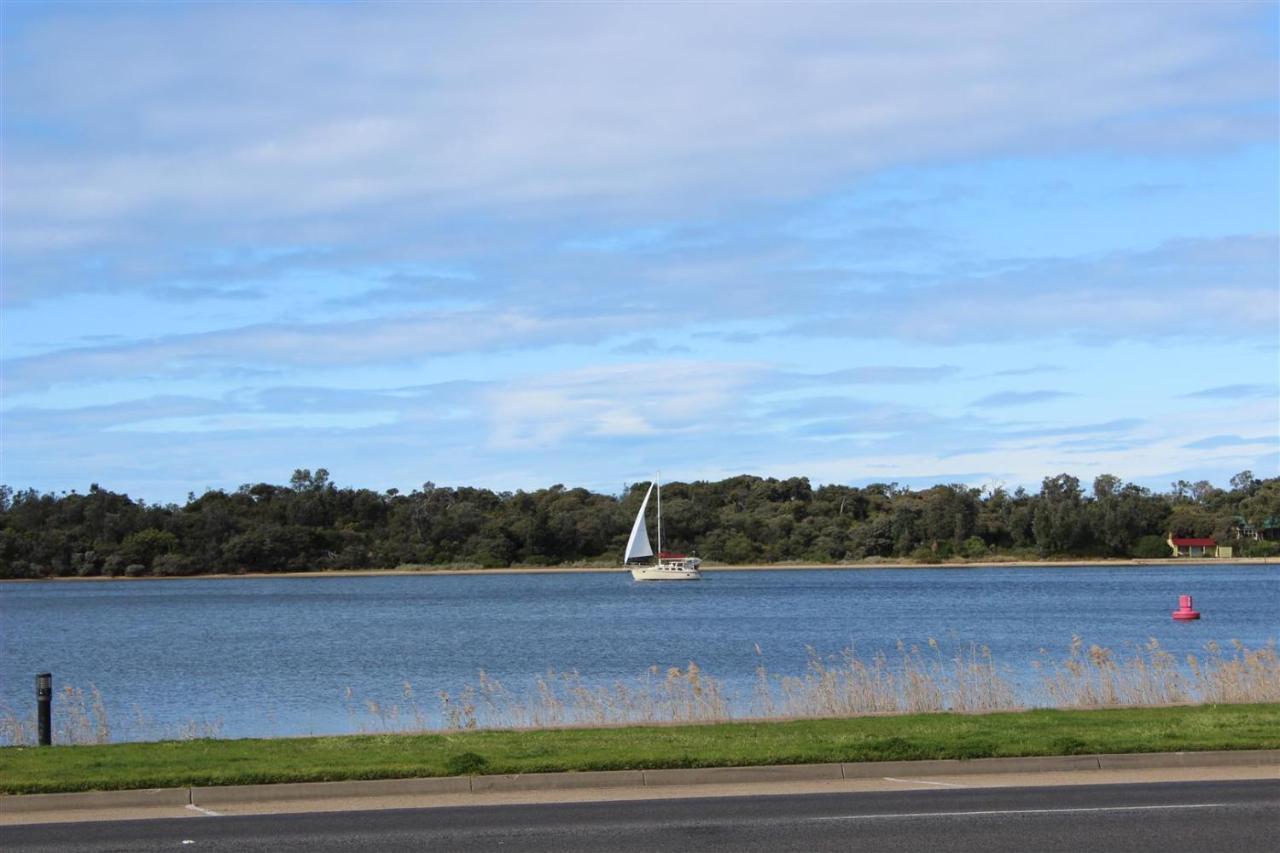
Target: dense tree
[313, 524]
[1059, 519]
[1120, 514]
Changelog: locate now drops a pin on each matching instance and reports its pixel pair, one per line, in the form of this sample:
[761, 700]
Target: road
[1234, 816]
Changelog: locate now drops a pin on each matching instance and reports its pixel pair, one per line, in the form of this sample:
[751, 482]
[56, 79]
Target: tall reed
[914, 679]
[1149, 675]
[567, 699]
[917, 681]
[80, 716]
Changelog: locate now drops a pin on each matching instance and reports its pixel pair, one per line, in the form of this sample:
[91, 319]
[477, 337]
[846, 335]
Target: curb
[227, 794]
[557, 781]
[243, 794]
[19, 803]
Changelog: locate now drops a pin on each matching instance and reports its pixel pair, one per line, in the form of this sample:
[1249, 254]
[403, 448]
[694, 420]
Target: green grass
[921, 736]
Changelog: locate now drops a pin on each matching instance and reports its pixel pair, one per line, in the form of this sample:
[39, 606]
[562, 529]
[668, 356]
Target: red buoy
[1184, 611]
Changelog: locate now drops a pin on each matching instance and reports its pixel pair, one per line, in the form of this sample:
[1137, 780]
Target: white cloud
[1121, 295]
[301, 193]
[287, 111]
[280, 347]
[665, 398]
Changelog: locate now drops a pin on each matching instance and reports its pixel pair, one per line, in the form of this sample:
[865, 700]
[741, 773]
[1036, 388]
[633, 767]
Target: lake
[303, 655]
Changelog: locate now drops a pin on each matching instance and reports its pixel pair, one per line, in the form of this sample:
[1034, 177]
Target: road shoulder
[638, 785]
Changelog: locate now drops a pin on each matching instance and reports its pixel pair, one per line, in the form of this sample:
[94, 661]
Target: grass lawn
[920, 736]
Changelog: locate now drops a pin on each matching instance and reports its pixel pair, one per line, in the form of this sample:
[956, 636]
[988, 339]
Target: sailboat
[666, 566]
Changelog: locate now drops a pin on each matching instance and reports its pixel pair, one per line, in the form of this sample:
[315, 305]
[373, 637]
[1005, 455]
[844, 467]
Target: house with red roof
[1190, 546]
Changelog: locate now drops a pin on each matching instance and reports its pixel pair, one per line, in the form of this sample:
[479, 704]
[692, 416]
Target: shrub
[1262, 548]
[113, 566]
[465, 764]
[974, 548]
[174, 564]
[1151, 547]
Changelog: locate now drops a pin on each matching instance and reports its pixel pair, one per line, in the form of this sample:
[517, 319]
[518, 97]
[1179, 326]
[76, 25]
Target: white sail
[638, 545]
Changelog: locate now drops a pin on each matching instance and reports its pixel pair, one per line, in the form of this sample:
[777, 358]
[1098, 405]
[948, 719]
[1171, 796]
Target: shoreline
[759, 567]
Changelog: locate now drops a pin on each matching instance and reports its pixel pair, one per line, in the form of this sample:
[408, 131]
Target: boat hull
[667, 572]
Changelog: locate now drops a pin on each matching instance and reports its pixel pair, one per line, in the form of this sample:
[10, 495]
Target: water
[276, 656]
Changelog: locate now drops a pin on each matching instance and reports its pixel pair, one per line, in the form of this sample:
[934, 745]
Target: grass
[918, 679]
[879, 738]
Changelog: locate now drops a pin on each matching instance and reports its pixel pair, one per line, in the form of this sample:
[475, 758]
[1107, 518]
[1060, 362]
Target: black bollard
[44, 699]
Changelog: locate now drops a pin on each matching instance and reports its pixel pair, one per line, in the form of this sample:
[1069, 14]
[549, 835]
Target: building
[1188, 546]
[1266, 530]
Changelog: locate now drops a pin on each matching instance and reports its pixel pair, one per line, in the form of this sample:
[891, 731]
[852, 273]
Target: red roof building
[1188, 546]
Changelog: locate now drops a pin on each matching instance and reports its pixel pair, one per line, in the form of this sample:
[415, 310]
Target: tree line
[312, 524]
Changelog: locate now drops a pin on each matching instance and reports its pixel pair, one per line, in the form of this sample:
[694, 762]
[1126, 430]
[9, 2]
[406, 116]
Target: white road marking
[196, 808]
[1022, 811]
[923, 782]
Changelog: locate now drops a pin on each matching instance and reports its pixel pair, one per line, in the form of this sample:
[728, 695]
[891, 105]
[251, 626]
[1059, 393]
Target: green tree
[144, 546]
[1151, 547]
[1059, 518]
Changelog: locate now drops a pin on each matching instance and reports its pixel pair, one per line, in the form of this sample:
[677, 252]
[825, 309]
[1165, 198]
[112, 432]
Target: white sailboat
[666, 566]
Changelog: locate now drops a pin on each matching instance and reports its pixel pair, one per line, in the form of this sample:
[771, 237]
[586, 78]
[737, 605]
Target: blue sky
[518, 245]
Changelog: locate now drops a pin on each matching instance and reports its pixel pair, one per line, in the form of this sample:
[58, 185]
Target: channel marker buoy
[1185, 612]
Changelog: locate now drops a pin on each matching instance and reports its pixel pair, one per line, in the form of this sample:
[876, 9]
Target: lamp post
[44, 699]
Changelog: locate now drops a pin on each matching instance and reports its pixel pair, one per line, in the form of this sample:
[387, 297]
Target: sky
[515, 245]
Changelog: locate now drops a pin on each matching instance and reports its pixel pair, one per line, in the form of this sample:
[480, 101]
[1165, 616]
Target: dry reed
[915, 680]
[80, 717]
[567, 699]
[1149, 675]
[918, 681]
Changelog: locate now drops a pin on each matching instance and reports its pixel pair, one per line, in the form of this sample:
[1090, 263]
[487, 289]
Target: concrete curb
[18, 803]
[974, 766]
[225, 794]
[735, 775]
[558, 781]
[1158, 760]
[244, 794]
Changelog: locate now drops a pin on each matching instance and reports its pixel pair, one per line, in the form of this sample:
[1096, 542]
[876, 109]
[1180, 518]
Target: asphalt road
[1234, 817]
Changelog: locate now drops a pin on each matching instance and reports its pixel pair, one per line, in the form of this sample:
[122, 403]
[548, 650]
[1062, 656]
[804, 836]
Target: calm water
[276, 656]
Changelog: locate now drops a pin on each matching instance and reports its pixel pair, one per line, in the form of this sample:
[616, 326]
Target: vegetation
[311, 524]
[919, 679]
[922, 736]
[915, 680]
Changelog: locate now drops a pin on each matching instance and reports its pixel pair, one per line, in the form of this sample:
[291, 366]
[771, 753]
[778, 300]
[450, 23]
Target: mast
[658, 480]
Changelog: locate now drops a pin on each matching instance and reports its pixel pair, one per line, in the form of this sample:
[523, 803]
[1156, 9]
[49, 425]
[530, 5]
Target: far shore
[1184, 562]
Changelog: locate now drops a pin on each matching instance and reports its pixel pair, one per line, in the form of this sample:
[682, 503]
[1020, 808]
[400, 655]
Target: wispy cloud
[889, 375]
[1131, 295]
[650, 346]
[1235, 392]
[638, 400]
[1019, 398]
[299, 407]
[1030, 371]
[1214, 442]
[520, 244]
[224, 137]
[363, 342]
[1118, 425]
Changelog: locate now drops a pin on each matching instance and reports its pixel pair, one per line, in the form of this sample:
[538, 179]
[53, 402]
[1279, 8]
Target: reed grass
[854, 739]
[79, 716]
[917, 679]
